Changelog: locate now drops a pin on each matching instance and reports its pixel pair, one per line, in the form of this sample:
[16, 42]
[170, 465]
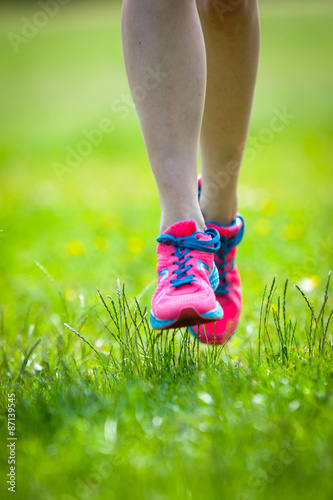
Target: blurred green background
[98, 221]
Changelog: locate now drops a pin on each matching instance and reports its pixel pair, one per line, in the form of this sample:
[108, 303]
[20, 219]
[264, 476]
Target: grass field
[123, 413]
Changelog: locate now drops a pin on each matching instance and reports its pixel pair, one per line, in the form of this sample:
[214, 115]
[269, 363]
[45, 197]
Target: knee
[227, 13]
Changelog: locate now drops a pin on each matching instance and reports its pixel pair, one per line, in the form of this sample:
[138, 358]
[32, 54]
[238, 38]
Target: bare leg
[165, 36]
[231, 32]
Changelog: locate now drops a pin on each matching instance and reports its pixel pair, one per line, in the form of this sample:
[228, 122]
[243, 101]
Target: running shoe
[187, 277]
[229, 290]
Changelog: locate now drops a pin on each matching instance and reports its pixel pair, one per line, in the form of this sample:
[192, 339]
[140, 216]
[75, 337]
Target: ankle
[170, 217]
[222, 213]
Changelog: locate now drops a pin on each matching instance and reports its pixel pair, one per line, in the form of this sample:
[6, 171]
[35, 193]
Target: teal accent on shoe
[214, 277]
[159, 323]
[216, 313]
[164, 273]
[202, 265]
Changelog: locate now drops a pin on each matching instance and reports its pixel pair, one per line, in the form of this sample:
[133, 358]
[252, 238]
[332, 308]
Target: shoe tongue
[228, 231]
[182, 228]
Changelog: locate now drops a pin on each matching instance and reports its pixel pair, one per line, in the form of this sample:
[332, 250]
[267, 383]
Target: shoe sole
[187, 317]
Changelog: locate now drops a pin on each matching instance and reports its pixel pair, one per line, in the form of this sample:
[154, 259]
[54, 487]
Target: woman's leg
[164, 37]
[231, 32]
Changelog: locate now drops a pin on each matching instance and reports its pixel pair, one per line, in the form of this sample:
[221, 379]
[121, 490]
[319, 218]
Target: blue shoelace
[225, 247]
[183, 246]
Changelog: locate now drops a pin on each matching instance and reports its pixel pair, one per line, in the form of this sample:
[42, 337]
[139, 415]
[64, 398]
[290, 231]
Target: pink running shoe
[229, 290]
[187, 277]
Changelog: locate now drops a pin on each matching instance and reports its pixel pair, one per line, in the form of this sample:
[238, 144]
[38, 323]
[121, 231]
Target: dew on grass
[31, 330]
[294, 405]
[307, 284]
[110, 430]
[82, 301]
[157, 421]
[258, 399]
[204, 426]
[284, 380]
[205, 397]
[249, 329]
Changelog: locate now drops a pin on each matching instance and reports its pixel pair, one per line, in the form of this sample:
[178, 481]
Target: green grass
[106, 408]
